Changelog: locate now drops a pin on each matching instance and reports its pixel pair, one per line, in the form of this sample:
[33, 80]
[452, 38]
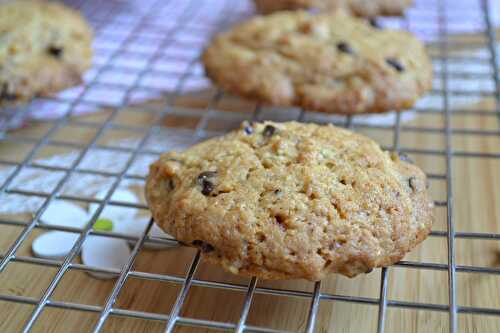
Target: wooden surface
[476, 191]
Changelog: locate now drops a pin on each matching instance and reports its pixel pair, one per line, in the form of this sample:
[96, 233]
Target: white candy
[97, 251]
[133, 226]
[117, 213]
[62, 213]
[53, 244]
[136, 226]
[105, 252]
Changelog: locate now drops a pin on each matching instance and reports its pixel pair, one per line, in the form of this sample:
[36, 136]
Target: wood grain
[476, 191]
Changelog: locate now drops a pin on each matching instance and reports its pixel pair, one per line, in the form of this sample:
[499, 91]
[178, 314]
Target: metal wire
[246, 305]
[121, 281]
[313, 309]
[143, 23]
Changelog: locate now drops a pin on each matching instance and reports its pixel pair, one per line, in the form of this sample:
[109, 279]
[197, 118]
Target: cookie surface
[291, 200]
[48, 52]
[331, 63]
[366, 8]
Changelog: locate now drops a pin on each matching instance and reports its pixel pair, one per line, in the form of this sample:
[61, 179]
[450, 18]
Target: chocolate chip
[412, 182]
[281, 219]
[203, 246]
[207, 187]
[344, 47]
[203, 180]
[5, 94]
[269, 131]
[55, 51]
[406, 158]
[248, 129]
[170, 184]
[395, 64]
[373, 22]
[278, 193]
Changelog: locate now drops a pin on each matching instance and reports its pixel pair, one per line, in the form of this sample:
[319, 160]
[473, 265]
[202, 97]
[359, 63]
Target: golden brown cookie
[44, 47]
[291, 200]
[366, 8]
[331, 63]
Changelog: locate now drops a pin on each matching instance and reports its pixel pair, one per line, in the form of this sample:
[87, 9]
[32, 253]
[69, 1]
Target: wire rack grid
[147, 33]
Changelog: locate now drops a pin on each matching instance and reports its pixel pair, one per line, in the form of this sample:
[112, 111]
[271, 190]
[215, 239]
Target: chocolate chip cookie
[367, 8]
[331, 63]
[44, 47]
[291, 200]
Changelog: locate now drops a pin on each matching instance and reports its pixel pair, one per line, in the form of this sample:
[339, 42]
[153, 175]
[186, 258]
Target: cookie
[291, 200]
[330, 63]
[366, 8]
[44, 47]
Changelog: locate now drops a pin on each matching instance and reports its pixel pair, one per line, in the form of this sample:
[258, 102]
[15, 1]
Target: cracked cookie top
[291, 200]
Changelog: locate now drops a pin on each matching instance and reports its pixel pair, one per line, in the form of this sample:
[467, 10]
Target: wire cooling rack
[132, 43]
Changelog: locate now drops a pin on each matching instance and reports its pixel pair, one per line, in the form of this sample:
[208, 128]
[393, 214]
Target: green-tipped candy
[103, 225]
